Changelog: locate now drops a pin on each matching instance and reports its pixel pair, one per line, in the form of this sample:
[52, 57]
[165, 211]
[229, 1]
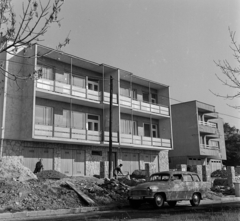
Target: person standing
[39, 166]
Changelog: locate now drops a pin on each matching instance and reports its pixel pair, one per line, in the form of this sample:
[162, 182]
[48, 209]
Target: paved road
[147, 213]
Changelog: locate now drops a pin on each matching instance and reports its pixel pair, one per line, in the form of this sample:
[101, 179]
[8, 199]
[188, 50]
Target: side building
[198, 135]
[63, 115]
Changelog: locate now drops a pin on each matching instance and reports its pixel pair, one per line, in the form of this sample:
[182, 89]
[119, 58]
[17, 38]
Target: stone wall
[93, 165]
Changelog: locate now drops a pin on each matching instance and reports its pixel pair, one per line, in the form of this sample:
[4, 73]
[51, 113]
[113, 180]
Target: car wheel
[135, 204]
[195, 201]
[158, 201]
[172, 203]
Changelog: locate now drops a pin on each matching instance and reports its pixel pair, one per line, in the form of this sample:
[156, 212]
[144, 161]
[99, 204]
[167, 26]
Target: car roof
[174, 172]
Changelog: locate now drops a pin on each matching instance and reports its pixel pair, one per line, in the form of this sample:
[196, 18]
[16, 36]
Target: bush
[219, 173]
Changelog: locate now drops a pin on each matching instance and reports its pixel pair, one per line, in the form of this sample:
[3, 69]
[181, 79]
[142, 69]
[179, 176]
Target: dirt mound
[11, 168]
[51, 174]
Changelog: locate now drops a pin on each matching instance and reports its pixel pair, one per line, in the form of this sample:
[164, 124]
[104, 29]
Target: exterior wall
[14, 148]
[14, 92]
[174, 161]
[222, 146]
[185, 130]
[60, 67]
[139, 88]
[28, 96]
[140, 122]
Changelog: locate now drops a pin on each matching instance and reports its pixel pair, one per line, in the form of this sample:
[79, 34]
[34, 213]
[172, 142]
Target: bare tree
[35, 21]
[230, 74]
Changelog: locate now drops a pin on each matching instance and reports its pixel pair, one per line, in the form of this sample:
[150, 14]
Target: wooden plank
[88, 200]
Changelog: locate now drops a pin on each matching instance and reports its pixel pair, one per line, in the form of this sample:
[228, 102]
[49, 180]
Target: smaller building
[198, 136]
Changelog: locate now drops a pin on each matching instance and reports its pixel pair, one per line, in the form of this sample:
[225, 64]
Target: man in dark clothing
[117, 170]
[39, 166]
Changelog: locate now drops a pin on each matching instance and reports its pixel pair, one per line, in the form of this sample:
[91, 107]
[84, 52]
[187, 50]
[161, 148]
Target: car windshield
[160, 177]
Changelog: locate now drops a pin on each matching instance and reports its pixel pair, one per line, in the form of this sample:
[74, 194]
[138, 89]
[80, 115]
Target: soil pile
[50, 174]
[11, 168]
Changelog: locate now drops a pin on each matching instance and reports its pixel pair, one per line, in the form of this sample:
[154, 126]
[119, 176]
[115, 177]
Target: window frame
[92, 121]
[93, 83]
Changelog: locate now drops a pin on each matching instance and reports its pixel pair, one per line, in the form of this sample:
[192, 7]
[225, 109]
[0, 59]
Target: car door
[189, 187]
[176, 188]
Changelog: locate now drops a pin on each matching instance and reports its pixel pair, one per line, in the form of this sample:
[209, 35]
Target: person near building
[39, 166]
[117, 170]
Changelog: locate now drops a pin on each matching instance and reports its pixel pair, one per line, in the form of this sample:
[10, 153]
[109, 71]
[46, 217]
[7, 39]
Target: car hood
[141, 186]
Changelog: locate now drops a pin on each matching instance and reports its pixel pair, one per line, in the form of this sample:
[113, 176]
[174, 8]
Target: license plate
[136, 197]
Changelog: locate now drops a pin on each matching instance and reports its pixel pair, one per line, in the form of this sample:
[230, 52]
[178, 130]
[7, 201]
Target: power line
[101, 79]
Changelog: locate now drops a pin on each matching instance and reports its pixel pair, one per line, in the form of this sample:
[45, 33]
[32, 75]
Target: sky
[174, 42]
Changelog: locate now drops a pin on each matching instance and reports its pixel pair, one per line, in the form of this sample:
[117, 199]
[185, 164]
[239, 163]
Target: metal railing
[213, 125]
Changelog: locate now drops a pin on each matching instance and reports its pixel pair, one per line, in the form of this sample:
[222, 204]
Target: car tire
[158, 200]
[195, 201]
[172, 203]
[135, 204]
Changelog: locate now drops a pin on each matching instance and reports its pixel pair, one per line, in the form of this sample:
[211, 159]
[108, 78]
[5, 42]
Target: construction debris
[88, 200]
[11, 168]
[50, 174]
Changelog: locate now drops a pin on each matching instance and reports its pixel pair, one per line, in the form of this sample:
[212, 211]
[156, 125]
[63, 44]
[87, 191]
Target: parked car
[170, 187]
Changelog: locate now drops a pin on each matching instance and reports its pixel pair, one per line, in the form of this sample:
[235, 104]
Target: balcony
[144, 106]
[207, 127]
[74, 91]
[145, 141]
[45, 131]
[210, 150]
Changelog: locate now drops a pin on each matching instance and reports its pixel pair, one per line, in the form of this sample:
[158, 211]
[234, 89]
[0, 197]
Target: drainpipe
[4, 108]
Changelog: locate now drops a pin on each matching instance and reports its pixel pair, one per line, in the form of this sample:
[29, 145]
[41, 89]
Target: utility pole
[110, 130]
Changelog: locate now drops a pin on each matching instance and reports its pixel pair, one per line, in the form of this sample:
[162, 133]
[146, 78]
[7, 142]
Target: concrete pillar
[181, 167]
[197, 169]
[231, 176]
[206, 173]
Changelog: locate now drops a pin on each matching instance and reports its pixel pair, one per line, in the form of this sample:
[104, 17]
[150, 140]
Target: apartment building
[63, 115]
[198, 135]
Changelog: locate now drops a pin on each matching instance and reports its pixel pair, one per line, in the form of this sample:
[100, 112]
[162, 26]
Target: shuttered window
[78, 120]
[128, 127]
[43, 115]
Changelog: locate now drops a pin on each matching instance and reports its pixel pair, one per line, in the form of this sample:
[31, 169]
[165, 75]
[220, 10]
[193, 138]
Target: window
[62, 120]
[147, 131]
[47, 73]
[125, 92]
[78, 81]
[134, 94]
[128, 127]
[187, 178]
[145, 97]
[196, 178]
[63, 77]
[93, 85]
[43, 115]
[177, 177]
[154, 130]
[154, 98]
[160, 177]
[96, 153]
[78, 120]
[93, 122]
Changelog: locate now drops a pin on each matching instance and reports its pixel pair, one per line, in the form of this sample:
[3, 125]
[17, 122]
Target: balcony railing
[73, 134]
[144, 106]
[204, 146]
[207, 124]
[80, 92]
[145, 141]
